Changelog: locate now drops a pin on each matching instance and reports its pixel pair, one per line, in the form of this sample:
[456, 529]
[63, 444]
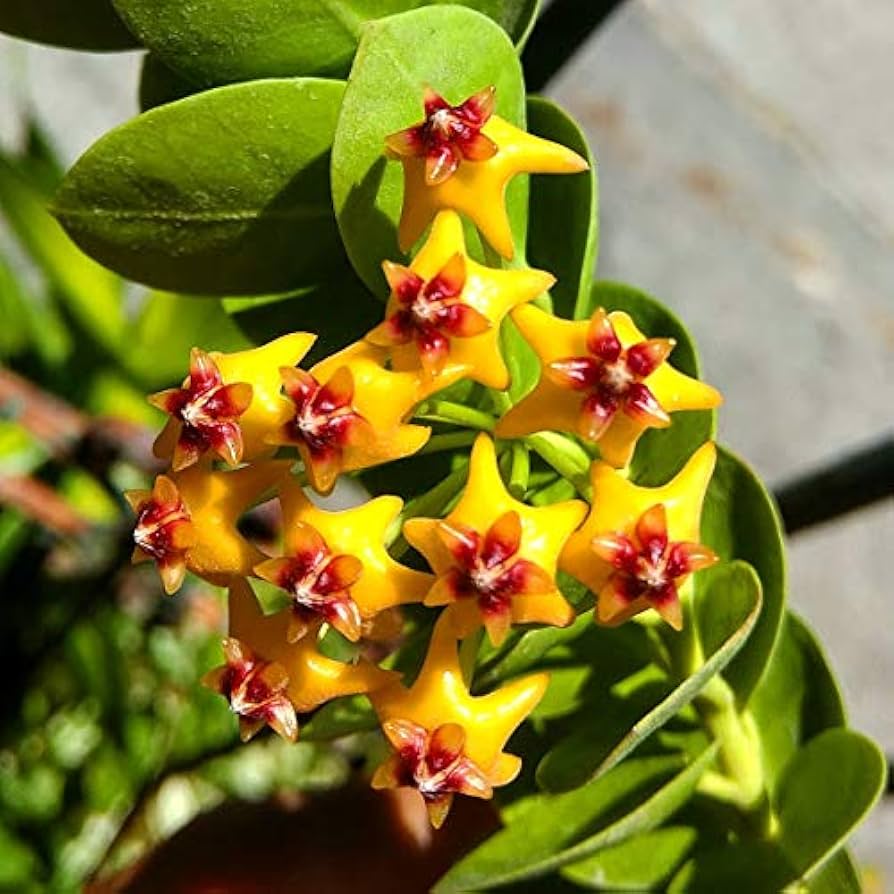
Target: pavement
[746, 171]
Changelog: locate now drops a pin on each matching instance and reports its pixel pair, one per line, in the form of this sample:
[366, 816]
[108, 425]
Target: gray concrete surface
[746, 163]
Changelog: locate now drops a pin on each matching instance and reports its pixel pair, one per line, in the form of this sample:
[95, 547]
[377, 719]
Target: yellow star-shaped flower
[445, 310]
[496, 557]
[438, 723]
[313, 679]
[638, 544]
[603, 379]
[336, 566]
[188, 521]
[259, 368]
[477, 188]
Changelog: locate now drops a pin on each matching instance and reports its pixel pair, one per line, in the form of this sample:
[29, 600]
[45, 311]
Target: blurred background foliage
[108, 743]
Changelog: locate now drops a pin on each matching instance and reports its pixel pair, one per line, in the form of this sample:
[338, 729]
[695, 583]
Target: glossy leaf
[797, 698]
[661, 453]
[91, 293]
[741, 867]
[341, 717]
[740, 521]
[213, 42]
[585, 754]
[546, 832]
[225, 192]
[638, 864]
[456, 51]
[839, 876]
[566, 206]
[339, 310]
[824, 793]
[86, 25]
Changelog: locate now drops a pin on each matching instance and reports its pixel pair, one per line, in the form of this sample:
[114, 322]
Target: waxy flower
[336, 566]
[496, 557]
[263, 667]
[447, 135]
[445, 310]
[229, 403]
[639, 544]
[207, 411]
[602, 379]
[448, 165]
[447, 741]
[188, 521]
[256, 691]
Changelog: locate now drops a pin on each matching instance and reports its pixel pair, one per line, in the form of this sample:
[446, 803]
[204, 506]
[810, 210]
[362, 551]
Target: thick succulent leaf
[840, 875]
[546, 832]
[824, 793]
[91, 293]
[638, 864]
[212, 42]
[588, 753]
[86, 25]
[456, 51]
[341, 717]
[743, 867]
[740, 521]
[661, 453]
[797, 698]
[220, 193]
[566, 206]
[339, 310]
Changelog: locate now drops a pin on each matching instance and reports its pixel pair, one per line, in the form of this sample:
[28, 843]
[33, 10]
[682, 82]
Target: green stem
[455, 414]
[520, 470]
[566, 456]
[448, 441]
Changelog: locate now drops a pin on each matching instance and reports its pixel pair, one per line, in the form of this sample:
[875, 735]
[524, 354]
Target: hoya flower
[264, 670]
[495, 557]
[603, 379]
[461, 158]
[336, 566]
[348, 412]
[188, 521]
[228, 404]
[445, 740]
[445, 310]
[638, 545]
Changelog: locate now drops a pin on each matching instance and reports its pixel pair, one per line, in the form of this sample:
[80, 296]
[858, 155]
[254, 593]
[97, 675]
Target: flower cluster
[254, 425]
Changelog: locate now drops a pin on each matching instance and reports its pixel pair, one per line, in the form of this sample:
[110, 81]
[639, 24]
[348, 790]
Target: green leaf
[587, 753]
[742, 867]
[456, 51]
[638, 864]
[796, 699]
[661, 453]
[18, 862]
[168, 327]
[92, 294]
[339, 311]
[839, 875]
[224, 192]
[340, 718]
[214, 42]
[546, 832]
[86, 25]
[160, 85]
[825, 792]
[740, 521]
[566, 206]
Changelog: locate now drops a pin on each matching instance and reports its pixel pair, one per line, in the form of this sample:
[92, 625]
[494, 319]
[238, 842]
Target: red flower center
[318, 582]
[208, 411]
[648, 565]
[163, 523]
[612, 376]
[448, 134]
[429, 313]
[489, 570]
[434, 763]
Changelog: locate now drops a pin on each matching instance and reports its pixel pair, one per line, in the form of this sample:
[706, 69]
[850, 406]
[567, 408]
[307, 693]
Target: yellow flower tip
[639, 545]
[602, 379]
